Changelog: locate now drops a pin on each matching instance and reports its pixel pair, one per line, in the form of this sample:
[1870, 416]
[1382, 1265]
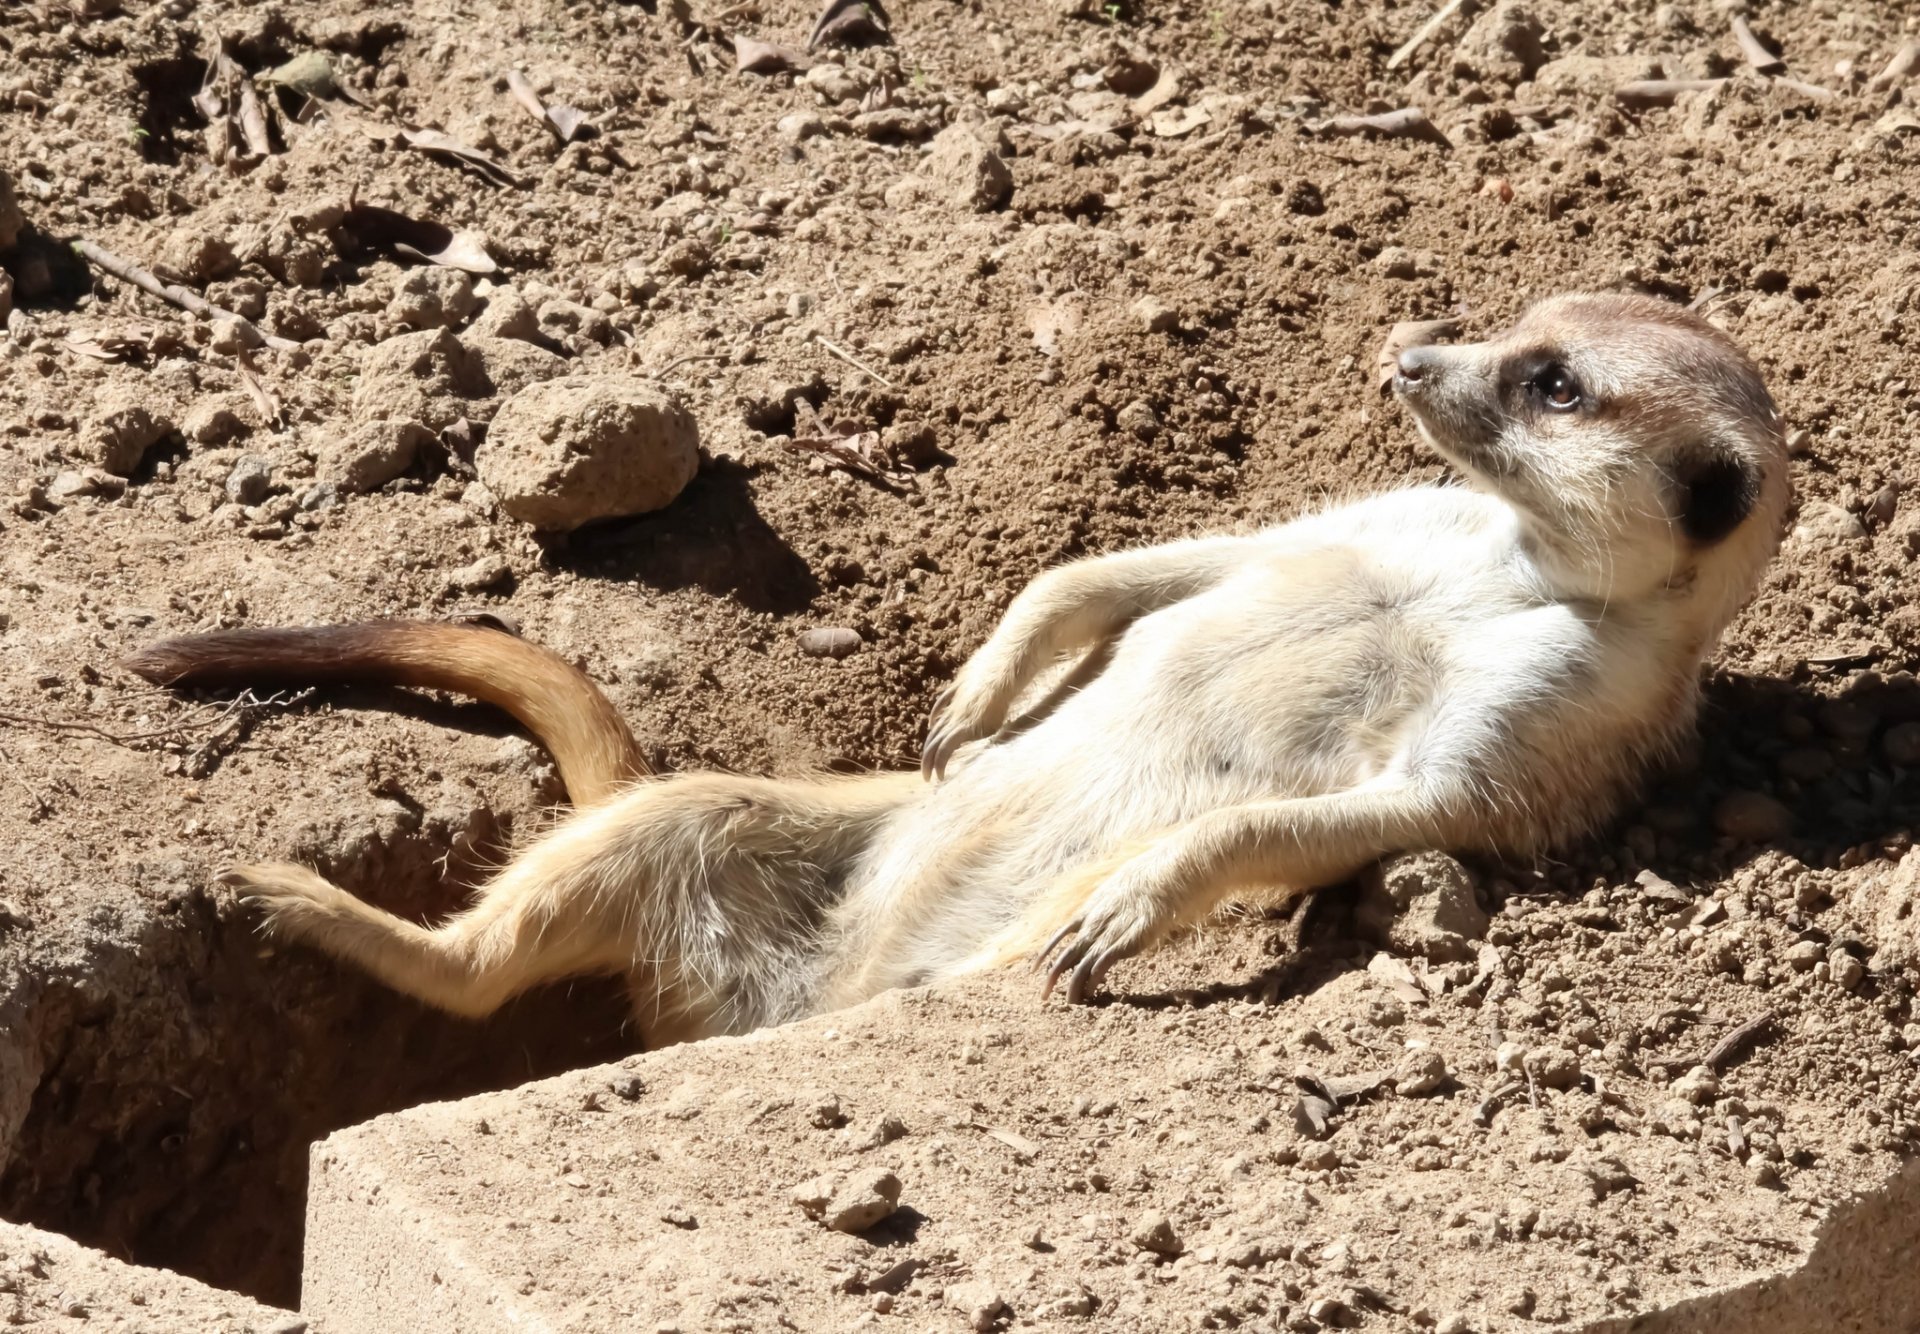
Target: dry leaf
[1175, 124]
[104, 346]
[271, 412]
[309, 74]
[523, 94]
[753, 56]
[417, 237]
[849, 23]
[438, 144]
[567, 123]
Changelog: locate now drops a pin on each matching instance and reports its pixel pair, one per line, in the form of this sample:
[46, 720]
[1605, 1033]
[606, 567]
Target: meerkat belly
[1284, 683]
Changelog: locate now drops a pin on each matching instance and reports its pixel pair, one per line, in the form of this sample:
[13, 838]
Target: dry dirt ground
[1137, 294]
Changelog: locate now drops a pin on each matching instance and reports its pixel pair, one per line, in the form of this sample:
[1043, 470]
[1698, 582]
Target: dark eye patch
[1717, 493]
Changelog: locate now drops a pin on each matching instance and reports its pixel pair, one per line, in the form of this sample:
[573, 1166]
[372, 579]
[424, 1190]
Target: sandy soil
[781, 253]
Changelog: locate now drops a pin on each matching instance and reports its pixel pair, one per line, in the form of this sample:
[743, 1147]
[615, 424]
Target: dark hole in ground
[174, 1130]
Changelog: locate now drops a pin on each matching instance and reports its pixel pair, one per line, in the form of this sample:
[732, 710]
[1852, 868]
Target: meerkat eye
[1559, 390]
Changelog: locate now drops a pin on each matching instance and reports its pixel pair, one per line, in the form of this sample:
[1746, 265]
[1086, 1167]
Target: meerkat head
[1637, 443]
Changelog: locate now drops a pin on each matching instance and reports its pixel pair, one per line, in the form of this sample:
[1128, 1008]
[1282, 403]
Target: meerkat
[1481, 666]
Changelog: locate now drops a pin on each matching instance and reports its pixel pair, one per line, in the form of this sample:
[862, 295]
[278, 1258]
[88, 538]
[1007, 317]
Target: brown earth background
[1167, 325]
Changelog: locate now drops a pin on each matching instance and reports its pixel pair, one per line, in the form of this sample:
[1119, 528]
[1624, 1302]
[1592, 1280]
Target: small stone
[1553, 1067]
[1154, 1232]
[1510, 1058]
[799, 125]
[506, 315]
[868, 1197]
[118, 436]
[231, 335]
[1424, 904]
[214, 421]
[566, 320]
[250, 480]
[1155, 316]
[1328, 1310]
[1803, 955]
[1824, 524]
[1505, 41]
[1420, 1073]
[970, 171]
[825, 1113]
[829, 642]
[815, 1194]
[68, 485]
[978, 1301]
[489, 572]
[1752, 817]
[1698, 1086]
[320, 496]
[799, 304]
[1846, 971]
[567, 452]
[433, 298]
[1396, 262]
[1453, 1324]
[373, 454]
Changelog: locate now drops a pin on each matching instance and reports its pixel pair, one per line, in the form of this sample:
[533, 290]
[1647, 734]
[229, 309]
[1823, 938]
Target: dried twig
[245, 702]
[1899, 69]
[1812, 90]
[1427, 30]
[1723, 1051]
[1406, 123]
[253, 120]
[185, 298]
[271, 411]
[852, 360]
[1645, 93]
[1755, 50]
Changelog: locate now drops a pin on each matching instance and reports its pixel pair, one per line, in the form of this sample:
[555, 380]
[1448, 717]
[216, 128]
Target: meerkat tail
[565, 711]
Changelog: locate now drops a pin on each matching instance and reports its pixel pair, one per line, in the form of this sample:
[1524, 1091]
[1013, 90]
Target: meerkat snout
[1634, 439]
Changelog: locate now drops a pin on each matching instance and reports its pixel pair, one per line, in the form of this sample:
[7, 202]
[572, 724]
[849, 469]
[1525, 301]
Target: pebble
[1154, 1232]
[432, 298]
[566, 452]
[800, 125]
[490, 571]
[1752, 817]
[121, 433]
[1846, 971]
[373, 453]
[232, 334]
[250, 480]
[868, 1197]
[829, 641]
[1821, 522]
[970, 170]
[507, 314]
[1803, 955]
[1424, 904]
[978, 1301]
[1421, 1073]
[1553, 1067]
[1510, 1057]
[1155, 316]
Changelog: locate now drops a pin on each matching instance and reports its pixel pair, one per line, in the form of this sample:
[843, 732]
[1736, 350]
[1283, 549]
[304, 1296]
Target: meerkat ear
[1717, 490]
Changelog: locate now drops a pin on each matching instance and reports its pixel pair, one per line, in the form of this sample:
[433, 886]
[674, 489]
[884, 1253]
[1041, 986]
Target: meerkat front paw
[289, 896]
[972, 708]
[1130, 911]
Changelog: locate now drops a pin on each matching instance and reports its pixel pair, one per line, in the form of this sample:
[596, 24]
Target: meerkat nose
[1417, 363]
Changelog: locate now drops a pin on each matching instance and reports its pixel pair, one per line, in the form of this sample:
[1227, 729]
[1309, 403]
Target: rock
[1803, 955]
[489, 572]
[1752, 817]
[971, 173]
[1698, 1086]
[507, 314]
[1823, 524]
[829, 642]
[1155, 316]
[1553, 1067]
[1846, 971]
[567, 452]
[799, 125]
[1154, 1232]
[1505, 41]
[1423, 904]
[564, 321]
[372, 454]
[216, 420]
[868, 1197]
[814, 1195]
[427, 377]
[232, 334]
[122, 430]
[195, 257]
[69, 485]
[978, 1301]
[1420, 1073]
[1510, 1058]
[433, 298]
[320, 496]
[250, 480]
[508, 365]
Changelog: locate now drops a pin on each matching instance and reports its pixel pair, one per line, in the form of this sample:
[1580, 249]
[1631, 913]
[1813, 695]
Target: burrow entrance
[183, 1071]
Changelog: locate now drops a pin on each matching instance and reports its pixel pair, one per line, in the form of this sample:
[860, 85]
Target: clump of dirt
[1137, 298]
